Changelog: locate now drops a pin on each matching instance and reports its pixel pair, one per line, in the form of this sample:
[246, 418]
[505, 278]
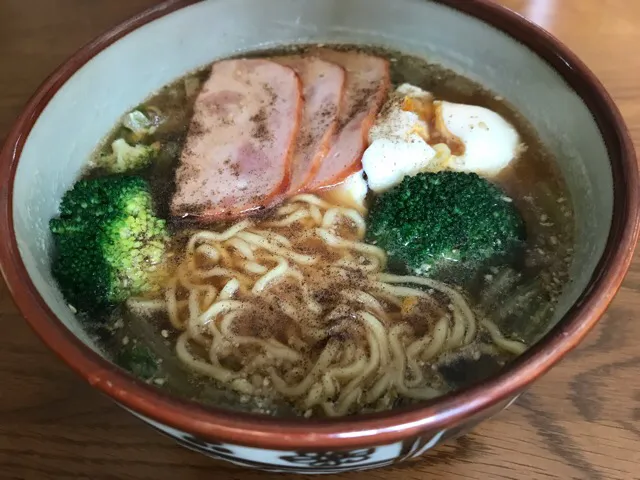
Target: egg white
[386, 162]
[490, 142]
[351, 193]
[397, 142]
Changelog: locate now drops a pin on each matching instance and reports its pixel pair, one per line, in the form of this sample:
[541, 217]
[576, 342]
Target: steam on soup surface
[316, 231]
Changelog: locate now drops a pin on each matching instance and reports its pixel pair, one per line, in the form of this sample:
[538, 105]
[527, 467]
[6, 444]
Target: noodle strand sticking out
[297, 307]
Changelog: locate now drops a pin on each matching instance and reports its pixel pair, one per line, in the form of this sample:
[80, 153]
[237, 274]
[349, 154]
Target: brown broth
[527, 291]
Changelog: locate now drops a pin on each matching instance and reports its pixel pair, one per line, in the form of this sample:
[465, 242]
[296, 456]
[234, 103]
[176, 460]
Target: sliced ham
[367, 86]
[323, 87]
[238, 152]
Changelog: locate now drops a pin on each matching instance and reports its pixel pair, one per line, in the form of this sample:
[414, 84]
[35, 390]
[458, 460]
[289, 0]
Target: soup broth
[316, 364]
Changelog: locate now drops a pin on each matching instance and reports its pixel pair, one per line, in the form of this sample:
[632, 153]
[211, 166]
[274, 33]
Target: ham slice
[367, 85]
[323, 87]
[238, 152]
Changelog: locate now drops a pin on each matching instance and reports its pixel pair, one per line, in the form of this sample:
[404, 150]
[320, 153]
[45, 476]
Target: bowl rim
[368, 429]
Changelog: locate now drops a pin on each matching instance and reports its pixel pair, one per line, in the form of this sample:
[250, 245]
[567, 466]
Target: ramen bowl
[542, 79]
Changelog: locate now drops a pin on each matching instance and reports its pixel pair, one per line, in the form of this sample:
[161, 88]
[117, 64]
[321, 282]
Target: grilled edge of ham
[367, 85]
[323, 86]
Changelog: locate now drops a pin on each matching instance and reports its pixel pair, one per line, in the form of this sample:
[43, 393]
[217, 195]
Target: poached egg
[415, 133]
[490, 142]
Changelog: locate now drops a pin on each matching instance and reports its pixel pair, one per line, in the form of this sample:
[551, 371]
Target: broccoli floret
[109, 243]
[431, 219]
[128, 158]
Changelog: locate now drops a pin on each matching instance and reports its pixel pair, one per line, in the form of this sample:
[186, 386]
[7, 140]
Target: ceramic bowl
[84, 98]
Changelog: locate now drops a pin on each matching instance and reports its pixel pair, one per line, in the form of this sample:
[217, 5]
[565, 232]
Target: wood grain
[582, 421]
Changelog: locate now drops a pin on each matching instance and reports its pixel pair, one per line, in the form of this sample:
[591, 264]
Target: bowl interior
[87, 106]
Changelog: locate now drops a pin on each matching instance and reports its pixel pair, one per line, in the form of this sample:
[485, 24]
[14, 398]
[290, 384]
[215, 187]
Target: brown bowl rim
[363, 430]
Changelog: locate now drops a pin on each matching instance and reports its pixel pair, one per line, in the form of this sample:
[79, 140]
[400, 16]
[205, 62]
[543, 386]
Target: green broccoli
[431, 219]
[109, 243]
[128, 158]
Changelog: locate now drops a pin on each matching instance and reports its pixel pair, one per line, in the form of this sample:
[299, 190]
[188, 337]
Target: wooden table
[582, 421]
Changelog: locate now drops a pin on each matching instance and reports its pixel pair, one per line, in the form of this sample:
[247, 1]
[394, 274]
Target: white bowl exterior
[118, 78]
